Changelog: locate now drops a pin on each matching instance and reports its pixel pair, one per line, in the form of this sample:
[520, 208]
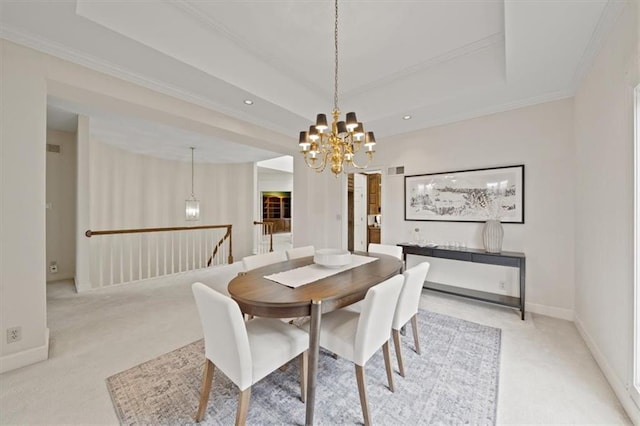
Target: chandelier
[192, 205]
[336, 145]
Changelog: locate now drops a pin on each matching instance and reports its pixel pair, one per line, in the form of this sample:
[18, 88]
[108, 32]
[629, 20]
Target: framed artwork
[466, 195]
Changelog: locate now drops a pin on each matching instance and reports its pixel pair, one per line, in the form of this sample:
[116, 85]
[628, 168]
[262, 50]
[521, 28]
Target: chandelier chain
[335, 92]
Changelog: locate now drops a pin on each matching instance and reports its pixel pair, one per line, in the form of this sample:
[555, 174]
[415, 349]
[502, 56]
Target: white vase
[492, 234]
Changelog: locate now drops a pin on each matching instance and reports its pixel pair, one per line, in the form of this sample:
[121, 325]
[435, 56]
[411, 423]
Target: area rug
[453, 382]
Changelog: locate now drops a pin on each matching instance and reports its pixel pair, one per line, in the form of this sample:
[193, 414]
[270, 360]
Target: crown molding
[80, 58]
[451, 55]
[611, 13]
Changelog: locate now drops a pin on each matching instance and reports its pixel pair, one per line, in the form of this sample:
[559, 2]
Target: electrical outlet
[53, 267]
[14, 334]
[501, 285]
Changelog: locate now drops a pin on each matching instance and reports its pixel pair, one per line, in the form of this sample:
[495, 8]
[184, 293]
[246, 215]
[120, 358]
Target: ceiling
[437, 61]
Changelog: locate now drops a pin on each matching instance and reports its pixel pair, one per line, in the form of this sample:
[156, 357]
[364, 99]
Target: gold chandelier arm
[319, 168]
[369, 158]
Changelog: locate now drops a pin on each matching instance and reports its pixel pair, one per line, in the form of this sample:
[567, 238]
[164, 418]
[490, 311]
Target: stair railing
[265, 236]
[126, 255]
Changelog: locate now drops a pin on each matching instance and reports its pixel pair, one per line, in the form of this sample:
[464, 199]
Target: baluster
[200, 248]
[130, 239]
[186, 250]
[164, 247]
[111, 274]
[101, 278]
[139, 256]
[148, 256]
[122, 238]
[179, 251]
[193, 250]
[173, 246]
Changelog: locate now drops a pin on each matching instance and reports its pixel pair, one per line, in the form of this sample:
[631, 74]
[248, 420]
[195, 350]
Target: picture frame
[466, 195]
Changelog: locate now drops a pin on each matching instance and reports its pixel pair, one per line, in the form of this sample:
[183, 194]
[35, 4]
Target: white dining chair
[395, 251]
[297, 252]
[357, 336]
[407, 308]
[218, 277]
[259, 260]
[245, 352]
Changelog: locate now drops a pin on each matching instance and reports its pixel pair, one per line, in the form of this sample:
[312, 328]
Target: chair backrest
[226, 342]
[297, 252]
[259, 260]
[386, 249]
[374, 324]
[218, 277]
[410, 295]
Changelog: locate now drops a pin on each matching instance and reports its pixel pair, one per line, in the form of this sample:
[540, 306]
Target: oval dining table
[262, 297]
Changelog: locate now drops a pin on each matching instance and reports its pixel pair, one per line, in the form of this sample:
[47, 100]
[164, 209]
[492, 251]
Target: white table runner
[307, 274]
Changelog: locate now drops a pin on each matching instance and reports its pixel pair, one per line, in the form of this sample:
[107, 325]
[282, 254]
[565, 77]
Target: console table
[505, 258]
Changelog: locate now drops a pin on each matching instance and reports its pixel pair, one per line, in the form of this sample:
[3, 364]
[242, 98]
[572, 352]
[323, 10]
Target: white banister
[156, 252]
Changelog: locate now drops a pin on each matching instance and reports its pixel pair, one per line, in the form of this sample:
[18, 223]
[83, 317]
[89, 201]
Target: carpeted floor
[454, 381]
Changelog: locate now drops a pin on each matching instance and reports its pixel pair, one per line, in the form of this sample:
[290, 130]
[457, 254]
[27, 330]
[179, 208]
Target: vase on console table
[492, 234]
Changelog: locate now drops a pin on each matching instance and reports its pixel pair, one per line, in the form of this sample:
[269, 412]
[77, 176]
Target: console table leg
[523, 273]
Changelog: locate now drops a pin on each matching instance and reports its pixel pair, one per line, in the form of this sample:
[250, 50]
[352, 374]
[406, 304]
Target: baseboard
[619, 388]
[550, 311]
[27, 357]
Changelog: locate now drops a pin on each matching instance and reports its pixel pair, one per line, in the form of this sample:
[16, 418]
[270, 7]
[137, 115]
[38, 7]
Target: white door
[359, 212]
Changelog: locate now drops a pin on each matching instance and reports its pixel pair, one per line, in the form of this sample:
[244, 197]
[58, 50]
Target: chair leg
[207, 379]
[386, 351]
[362, 390]
[414, 327]
[243, 406]
[396, 341]
[304, 362]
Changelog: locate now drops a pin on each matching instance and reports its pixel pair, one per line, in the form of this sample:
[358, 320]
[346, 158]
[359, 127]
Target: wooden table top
[259, 296]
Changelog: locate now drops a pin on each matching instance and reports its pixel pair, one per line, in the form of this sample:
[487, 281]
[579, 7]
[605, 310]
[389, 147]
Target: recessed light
[248, 102]
[406, 117]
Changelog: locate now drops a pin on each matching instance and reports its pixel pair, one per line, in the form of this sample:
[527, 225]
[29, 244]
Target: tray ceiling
[438, 61]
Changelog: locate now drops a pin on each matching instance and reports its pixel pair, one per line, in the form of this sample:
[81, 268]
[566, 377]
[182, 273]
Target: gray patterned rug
[454, 381]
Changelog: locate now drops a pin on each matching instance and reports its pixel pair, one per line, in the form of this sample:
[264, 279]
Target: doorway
[274, 195]
[60, 203]
[364, 209]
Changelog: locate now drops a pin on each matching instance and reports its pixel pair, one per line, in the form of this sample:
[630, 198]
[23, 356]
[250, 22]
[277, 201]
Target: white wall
[136, 191]
[318, 203]
[541, 138]
[604, 204]
[61, 204]
[274, 181]
[82, 278]
[27, 77]
[22, 192]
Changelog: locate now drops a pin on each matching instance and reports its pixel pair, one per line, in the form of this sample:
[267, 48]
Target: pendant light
[192, 205]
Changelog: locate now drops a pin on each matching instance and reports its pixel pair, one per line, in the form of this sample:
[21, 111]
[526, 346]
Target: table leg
[314, 350]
